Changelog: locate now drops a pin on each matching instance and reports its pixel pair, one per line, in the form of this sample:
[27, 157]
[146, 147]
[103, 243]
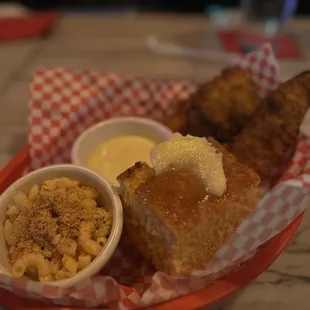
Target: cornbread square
[172, 219]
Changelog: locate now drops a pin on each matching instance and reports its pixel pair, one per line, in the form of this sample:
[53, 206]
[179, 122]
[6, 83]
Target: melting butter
[194, 154]
[114, 156]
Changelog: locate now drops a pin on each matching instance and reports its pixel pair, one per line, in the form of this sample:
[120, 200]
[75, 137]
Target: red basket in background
[34, 25]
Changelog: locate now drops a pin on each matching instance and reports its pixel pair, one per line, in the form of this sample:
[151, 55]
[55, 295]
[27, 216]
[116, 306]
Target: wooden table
[118, 44]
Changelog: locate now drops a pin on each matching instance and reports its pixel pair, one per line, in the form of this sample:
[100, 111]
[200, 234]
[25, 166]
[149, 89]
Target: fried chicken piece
[191, 122]
[274, 129]
[178, 121]
[200, 127]
[224, 104]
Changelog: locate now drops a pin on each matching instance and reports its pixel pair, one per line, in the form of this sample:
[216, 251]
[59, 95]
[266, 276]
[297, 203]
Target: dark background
[182, 6]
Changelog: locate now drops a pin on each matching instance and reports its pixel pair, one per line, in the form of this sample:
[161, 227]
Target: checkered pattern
[274, 212]
[64, 103]
[264, 68]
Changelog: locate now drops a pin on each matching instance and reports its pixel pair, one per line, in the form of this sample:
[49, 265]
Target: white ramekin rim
[163, 130]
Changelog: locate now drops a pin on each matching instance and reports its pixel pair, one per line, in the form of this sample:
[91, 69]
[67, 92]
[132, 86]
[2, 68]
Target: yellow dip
[114, 156]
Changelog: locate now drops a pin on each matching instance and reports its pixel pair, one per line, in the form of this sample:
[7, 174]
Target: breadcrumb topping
[51, 225]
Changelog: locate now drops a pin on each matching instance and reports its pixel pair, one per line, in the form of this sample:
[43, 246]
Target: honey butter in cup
[110, 147]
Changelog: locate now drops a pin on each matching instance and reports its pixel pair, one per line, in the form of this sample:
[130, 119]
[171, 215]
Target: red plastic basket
[250, 270]
[35, 25]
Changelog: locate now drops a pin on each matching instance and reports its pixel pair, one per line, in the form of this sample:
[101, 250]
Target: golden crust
[177, 229]
[178, 121]
[223, 105]
[162, 193]
[274, 129]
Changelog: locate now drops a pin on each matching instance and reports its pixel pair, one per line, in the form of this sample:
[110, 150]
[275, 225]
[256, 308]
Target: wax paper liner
[63, 103]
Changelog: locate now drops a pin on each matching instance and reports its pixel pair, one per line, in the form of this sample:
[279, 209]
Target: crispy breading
[178, 121]
[274, 129]
[222, 106]
[198, 126]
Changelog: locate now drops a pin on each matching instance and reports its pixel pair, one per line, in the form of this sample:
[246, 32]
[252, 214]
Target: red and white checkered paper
[63, 103]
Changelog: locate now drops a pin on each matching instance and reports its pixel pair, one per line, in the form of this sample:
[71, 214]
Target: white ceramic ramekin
[91, 138]
[108, 198]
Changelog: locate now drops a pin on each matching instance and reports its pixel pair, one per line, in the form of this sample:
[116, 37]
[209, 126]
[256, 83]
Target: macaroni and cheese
[55, 229]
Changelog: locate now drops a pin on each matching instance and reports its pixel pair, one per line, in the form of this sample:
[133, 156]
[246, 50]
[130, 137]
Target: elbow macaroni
[8, 232]
[13, 213]
[89, 203]
[34, 191]
[70, 264]
[22, 201]
[42, 265]
[86, 242]
[66, 252]
[101, 241]
[83, 261]
[103, 231]
[12, 210]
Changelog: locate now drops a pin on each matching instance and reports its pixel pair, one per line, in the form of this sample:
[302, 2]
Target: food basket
[63, 103]
[250, 270]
